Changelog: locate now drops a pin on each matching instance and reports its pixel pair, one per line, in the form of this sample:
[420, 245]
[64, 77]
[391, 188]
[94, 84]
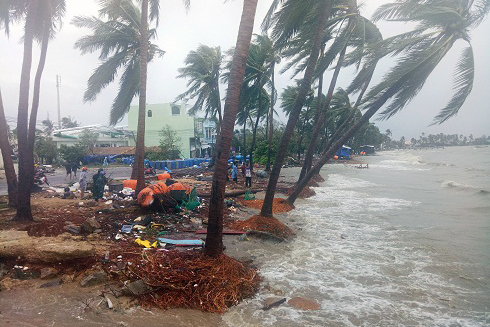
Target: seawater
[403, 243]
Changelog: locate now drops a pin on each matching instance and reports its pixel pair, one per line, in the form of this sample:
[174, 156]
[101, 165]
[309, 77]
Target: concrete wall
[159, 115]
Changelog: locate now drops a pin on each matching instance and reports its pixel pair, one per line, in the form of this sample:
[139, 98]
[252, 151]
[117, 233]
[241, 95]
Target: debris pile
[187, 279]
[263, 224]
[278, 205]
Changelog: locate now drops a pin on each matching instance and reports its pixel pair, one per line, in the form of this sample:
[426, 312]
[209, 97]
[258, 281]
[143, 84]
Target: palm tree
[214, 238]
[311, 13]
[441, 25]
[38, 16]
[51, 13]
[124, 43]
[203, 69]
[357, 33]
[116, 33]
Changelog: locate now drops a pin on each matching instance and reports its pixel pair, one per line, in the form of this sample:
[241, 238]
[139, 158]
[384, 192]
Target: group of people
[99, 183]
[246, 173]
[71, 169]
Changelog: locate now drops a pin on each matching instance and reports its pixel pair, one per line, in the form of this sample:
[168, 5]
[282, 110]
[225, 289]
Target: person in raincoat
[83, 181]
[100, 182]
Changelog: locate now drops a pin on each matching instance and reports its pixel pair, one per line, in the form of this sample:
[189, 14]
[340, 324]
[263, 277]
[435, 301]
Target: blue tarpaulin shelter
[344, 152]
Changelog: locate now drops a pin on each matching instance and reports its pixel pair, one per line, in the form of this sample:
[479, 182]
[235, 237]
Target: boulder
[137, 288]
[48, 273]
[15, 244]
[92, 278]
[261, 173]
[273, 302]
[303, 304]
[90, 225]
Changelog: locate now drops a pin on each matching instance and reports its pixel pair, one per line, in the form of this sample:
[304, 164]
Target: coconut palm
[214, 238]
[39, 17]
[261, 61]
[116, 34]
[203, 71]
[440, 25]
[310, 19]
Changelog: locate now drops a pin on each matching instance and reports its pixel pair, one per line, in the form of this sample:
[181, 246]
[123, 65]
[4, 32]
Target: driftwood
[231, 194]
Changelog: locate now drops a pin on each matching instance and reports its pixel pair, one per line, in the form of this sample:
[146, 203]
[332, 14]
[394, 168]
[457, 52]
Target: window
[175, 111]
[150, 114]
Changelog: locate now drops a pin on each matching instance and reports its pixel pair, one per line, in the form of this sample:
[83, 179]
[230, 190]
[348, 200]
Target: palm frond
[128, 89]
[463, 84]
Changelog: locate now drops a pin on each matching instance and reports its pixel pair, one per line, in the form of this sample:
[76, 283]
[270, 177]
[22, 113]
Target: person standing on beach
[106, 162]
[248, 176]
[74, 168]
[234, 172]
[68, 170]
[99, 183]
[83, 182]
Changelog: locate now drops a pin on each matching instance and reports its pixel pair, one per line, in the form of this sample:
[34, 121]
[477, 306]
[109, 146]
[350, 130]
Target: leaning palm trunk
[320, 122]
[330, 151]
[294, 114]
[214, 238]
[35, 100]
[138, 167]
[8, 163]
[270, 125]
[24, 187]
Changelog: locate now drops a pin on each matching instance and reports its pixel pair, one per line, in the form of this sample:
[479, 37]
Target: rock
[137, 288]
[273, 302]
[261, 173]
[14, 244]
[52, 283]
[94, 278]
[8, 284]
[304, 304]
[67, 278]
[3, 270]
[90, 225]
[48, 273]
[72, 229]
[24, 274]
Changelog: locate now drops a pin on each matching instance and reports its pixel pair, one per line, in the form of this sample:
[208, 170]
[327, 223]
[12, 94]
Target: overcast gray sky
[215, 23]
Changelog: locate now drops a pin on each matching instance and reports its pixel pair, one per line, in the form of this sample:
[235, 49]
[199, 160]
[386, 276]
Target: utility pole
[58, 83]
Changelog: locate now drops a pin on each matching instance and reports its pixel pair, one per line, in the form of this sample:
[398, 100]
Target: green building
[159, 115]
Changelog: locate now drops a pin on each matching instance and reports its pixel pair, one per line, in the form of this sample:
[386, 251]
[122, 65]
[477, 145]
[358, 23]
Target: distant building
[196, 134]
[107, 136]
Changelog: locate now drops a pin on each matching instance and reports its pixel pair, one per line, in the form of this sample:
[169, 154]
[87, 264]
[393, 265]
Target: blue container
[173, 164]
[180, 164]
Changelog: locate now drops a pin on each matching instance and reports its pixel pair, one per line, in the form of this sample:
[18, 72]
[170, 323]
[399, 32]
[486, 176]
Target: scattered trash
[181, 242]
[146, 243]
[126, 229]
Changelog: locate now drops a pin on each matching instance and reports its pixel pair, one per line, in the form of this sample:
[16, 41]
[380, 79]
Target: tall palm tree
[214, 238]
[307, 13]
[203, 69]
[440, 25]
[51, 13]
[10, 12]
[116, 34]
[260, 68]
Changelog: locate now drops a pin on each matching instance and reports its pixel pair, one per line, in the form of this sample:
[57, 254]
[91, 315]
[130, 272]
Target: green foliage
[45, 149]
[68, 122]
[73, 153]
[170, 143]
[88, 139]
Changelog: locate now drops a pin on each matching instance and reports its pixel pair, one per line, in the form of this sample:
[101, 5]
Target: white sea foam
[363, 266]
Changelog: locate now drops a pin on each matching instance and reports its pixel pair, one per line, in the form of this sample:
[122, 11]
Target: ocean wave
[483, 192]
[456, 185]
